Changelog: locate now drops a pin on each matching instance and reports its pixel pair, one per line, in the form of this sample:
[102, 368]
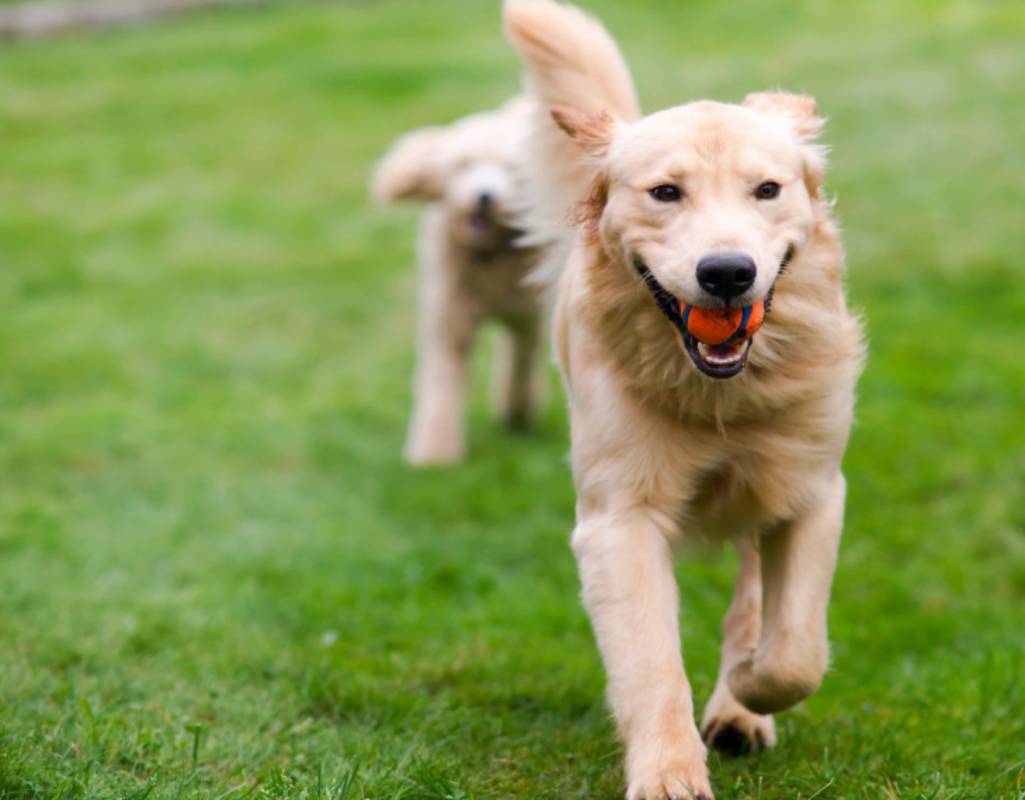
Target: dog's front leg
[437, 427]
[798, 561]
[630, 592]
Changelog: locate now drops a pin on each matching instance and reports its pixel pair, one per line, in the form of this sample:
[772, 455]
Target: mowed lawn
[217, 578]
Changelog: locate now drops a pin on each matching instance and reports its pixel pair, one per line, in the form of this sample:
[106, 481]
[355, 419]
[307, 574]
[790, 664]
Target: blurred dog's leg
[519, 372]
[798, 561]
[437, 429]
[727, 725]
[630, 592]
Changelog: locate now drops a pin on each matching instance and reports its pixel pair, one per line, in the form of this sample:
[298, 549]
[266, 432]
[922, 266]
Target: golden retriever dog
[471, 269]
[702, 205]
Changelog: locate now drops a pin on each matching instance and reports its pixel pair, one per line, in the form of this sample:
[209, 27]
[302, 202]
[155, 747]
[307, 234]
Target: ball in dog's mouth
[718, 340]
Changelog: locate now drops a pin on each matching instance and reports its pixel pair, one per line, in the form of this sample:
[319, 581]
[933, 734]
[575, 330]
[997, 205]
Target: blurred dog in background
[471, 269]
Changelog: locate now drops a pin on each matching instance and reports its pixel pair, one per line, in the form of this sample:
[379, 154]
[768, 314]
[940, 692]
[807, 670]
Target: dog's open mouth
[485, 230]
[717, 360]
[722, 360]
[480, 224]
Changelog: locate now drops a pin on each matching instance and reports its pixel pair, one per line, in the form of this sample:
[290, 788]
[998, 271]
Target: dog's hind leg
[727, 726]
[798, 561]
[517, 385]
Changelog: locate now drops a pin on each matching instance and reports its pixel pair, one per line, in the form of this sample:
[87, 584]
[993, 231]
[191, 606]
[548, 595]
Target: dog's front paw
[432, 450]
[667, 768]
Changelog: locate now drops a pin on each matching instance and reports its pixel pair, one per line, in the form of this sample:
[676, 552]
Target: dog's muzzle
[716, 361]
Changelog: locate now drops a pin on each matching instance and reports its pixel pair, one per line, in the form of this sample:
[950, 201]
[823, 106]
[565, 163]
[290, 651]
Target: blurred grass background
[218, 580]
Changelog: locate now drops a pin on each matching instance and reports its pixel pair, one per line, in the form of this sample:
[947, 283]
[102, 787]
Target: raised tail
[572, 61]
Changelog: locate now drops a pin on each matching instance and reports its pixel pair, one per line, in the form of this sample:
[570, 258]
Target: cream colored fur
[660, 452]
[467, 276]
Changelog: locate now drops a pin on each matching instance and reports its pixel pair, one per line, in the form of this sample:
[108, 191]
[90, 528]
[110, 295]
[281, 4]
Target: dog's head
[468, 167]
[707, 201]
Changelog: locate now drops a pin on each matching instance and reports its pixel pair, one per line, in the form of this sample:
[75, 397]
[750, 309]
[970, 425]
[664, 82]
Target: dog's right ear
[409, 170]
[593, 132]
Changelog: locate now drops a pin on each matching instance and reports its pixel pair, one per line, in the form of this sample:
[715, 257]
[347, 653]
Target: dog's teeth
[721, 355]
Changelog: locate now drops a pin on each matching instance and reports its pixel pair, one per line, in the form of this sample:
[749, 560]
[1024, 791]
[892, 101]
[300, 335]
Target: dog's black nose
[484, 201]
[726, 275]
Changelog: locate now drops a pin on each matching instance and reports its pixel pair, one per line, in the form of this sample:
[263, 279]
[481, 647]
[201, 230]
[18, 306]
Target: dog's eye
[768, 190]
[666, 193]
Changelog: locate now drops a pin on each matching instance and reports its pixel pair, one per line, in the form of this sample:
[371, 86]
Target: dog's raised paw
[774, 683]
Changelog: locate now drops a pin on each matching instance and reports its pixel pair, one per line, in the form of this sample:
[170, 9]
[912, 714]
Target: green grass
[217, 579]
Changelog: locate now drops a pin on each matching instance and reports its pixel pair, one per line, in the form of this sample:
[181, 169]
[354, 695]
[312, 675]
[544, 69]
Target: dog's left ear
[800, 111]
[410, 170]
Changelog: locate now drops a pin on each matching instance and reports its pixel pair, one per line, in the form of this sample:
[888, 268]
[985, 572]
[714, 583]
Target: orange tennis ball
[719, 325]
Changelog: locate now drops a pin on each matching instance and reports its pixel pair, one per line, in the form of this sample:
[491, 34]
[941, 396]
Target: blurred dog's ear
[410, 169]
[593, 132]
[798, 109]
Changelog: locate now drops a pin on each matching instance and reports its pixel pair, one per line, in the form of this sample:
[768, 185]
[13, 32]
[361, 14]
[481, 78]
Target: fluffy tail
[571, 60]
